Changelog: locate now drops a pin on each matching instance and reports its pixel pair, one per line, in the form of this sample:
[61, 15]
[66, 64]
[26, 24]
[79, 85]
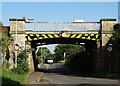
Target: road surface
[58, 74]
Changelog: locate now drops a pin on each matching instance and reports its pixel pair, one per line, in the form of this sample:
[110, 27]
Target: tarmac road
[58, 74]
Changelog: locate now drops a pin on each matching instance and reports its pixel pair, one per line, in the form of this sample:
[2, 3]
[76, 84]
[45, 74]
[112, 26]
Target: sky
[59, 11]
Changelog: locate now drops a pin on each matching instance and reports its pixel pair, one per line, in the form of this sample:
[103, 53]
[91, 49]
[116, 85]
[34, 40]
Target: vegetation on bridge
[115, 54]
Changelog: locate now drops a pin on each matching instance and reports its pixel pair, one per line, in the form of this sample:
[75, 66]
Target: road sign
[63, 34]
[109, 48]
[16, 47]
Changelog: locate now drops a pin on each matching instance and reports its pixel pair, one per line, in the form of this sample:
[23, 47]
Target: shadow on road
[60, 68]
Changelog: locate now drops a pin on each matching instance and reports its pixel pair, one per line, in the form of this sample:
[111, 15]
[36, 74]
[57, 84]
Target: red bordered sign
[16, 47]
[64, 34]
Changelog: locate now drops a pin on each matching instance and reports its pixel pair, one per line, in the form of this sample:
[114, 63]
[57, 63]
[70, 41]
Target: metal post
[64, 56]
[41, 54]
[109, 63]
[16, 43]
[109, 50]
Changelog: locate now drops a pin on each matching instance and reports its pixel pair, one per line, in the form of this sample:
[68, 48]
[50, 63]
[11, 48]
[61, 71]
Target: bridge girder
[85, 36]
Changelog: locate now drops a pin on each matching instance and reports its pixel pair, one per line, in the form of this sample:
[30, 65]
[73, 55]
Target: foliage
[9, 77]
[41, 55]
[115, 55]
[1, 24]
[69, 49]
[22, 62]
[6, 41]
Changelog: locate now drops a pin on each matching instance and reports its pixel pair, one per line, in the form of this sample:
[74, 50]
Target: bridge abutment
[17, 31]
[106, 33]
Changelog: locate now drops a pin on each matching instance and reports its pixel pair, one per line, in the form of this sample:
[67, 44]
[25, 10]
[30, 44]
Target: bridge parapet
[58, 26]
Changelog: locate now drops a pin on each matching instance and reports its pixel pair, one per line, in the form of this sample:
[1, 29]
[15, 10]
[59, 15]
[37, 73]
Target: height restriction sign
[63, 34]
[16, 47]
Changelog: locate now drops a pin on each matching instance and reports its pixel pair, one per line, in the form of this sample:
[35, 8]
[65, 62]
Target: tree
[43, 53]
[1, 24]
[69, 49]
[22, 61]
[6, 40]
[115, 55]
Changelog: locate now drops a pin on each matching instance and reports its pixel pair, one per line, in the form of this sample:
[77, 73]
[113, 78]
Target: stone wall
[106, 32]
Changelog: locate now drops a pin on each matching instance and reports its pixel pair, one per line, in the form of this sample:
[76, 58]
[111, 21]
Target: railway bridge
[95, 36]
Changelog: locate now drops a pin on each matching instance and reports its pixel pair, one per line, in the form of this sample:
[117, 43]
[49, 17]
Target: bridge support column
[106, 32]
[30, 58]
[91, 50]
[35, 62]
[17, 31]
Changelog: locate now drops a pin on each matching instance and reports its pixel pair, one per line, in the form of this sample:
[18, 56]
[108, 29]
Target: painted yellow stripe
[26, 35]
[89, 37]
[68, 35]
[37, 35]
[29, 39]
[92, 34]
[93, 39]
[35, 39]
[85, 34]
[97, 36]
[73, 36]
[50, 35]
[79, 36]
[83, 37]
[56, 35]
[40, 38]
[44, 36]
[31, 34]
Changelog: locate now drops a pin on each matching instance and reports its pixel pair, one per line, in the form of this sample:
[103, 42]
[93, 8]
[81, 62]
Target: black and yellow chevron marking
[33, 37]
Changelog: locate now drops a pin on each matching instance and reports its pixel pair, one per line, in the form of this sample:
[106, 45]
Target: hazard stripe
[56, 35]
[89, 37]
[83, 37]
[29, 39]
[40, 38]
[97, 35]
[68, 35]
[86, 34]
[35, 39]
[44, 36]
[26, 35]
[37, 36]
[93, 39]
[50, 35]
[79, 36]
[31, 34]
[73, 36]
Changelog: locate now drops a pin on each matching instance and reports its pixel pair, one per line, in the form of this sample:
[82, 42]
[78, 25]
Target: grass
[9, 77]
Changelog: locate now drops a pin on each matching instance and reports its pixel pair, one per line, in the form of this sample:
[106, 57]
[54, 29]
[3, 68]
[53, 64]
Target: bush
[22, 63]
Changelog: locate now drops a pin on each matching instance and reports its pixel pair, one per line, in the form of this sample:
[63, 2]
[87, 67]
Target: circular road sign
[16, 47]
[109, 48]
[63, 34]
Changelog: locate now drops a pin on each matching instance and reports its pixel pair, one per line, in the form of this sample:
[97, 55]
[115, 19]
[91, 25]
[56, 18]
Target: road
[58, 74]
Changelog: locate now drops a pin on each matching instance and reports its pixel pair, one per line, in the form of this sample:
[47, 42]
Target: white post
[41, 54]
[64, 55]
[16, 43]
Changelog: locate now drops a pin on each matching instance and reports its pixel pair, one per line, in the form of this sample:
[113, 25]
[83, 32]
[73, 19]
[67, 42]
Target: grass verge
[9, 77]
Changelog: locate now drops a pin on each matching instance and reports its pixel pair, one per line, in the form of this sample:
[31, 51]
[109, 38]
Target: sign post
[16, 48]
[109, 50]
